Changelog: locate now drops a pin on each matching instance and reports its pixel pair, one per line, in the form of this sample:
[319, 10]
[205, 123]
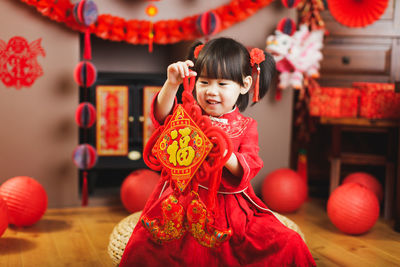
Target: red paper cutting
[18, 62]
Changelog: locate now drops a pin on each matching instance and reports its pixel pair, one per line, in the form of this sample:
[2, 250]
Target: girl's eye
[223, 84]
[203, 82]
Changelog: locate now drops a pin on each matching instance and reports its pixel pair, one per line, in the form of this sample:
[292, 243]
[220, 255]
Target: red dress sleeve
[247, 155]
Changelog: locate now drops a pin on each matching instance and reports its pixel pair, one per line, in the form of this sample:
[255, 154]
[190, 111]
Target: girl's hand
[179, 70]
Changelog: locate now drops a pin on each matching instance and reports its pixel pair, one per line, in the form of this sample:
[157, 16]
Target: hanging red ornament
[85, 74]
[85, 156]
[208, 23]
[85, 115]
[290, 3]
[151, 11]
[357, 13]
[286, 26]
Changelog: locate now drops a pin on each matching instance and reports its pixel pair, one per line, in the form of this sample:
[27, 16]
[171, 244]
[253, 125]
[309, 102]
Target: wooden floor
[80, 236]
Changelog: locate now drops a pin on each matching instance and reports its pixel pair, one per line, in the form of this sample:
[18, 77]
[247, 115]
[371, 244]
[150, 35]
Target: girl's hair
[225, 58]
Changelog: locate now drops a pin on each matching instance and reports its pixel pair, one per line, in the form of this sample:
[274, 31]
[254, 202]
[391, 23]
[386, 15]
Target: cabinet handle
[346, 60]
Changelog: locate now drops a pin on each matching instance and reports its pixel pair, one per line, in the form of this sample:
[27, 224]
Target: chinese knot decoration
[18, 62]
[188, 150]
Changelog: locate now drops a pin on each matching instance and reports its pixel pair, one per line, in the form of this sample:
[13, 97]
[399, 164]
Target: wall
[38, 133]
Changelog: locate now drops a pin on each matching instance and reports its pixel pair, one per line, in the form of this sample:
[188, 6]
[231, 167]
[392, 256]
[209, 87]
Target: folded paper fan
[357, 13]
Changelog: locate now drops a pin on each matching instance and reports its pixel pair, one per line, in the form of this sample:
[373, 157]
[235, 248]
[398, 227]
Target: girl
[223, 70]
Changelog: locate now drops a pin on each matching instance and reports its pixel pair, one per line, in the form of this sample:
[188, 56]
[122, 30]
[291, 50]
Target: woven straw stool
[123, 231]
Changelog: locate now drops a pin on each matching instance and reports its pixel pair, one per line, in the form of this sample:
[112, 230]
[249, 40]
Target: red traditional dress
[259, 238]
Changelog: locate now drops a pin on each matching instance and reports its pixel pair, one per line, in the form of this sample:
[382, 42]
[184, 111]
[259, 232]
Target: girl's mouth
[212, 102]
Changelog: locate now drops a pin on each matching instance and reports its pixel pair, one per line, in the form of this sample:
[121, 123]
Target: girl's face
[218, 96]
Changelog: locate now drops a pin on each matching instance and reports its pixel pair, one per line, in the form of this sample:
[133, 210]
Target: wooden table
[391, 127]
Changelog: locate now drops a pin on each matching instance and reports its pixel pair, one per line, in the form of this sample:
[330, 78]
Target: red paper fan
[357, 13]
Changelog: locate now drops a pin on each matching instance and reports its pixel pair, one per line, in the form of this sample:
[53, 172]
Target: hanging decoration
[208, 24]
[85, 74]
[290, 3]
[309, 14]
[357, 13]
[112, 120]
[188, 150]
[287, 26]
[151, 11]
[137, 31]
[18, 62]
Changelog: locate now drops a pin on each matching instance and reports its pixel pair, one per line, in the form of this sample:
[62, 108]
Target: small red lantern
[353, 208]
[137, 187]
[26, 200]
[85, 74]
[85, 115]
[3, 216]
[366, 180]
[290, 3]
[284, 190]
[208, 23]
[286, 26]
[85, 156]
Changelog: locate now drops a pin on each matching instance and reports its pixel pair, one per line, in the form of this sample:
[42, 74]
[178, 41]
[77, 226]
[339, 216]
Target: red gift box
[334, 102]
[378, 100]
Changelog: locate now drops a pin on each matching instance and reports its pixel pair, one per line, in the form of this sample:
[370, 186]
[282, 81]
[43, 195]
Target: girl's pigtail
[192, 51]
[267, 72]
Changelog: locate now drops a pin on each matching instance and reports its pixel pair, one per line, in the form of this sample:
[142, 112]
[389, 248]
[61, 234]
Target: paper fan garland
[357, 13]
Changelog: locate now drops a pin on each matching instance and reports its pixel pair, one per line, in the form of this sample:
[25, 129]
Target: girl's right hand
[179, 70]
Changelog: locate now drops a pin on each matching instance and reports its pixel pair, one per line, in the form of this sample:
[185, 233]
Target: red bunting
[137, 31]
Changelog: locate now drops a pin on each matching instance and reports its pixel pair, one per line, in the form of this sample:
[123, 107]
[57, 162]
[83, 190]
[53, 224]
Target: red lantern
[26, 200]
[290, 3]
[366, 180]
[136, 189]
[353, 208]
[85, 156]
[3, 216]
[287, 26]
[85, 115]
[208, 23]
[284, 190]
[85, 74]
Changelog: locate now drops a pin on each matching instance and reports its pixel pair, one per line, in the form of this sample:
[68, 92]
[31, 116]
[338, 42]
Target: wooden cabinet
[368, 54]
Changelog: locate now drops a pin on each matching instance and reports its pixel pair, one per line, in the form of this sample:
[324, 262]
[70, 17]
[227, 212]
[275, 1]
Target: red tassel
[278, 94]
[87, 50]
[257, 86]
[302, 165]
[151, 37]
[85, 189]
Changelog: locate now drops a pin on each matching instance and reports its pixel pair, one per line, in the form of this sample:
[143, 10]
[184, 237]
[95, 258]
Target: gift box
[378, 100]
[334, 102]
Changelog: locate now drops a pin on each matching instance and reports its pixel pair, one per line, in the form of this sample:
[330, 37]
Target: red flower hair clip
[197, 50]
[256, 57]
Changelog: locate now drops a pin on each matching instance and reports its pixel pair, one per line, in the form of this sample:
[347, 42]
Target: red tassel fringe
[257, 88]
[85, 189]
[87, 50]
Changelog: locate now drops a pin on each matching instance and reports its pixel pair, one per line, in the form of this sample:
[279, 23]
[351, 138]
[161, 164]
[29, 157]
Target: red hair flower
[256, 56]
[197, 50]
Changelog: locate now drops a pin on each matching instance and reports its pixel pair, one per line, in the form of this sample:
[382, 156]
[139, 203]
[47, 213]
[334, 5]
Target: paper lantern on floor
[208, 23]
[283, 190]
[85, 74]
[85, 156]
[3, 216]
[353, 208]
[137, 187]
[357, 13]
[85, 115]
[26, 200]
[366, 180]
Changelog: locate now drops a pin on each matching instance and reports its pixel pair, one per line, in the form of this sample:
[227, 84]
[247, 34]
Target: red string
[85, 189]
[87, 50]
